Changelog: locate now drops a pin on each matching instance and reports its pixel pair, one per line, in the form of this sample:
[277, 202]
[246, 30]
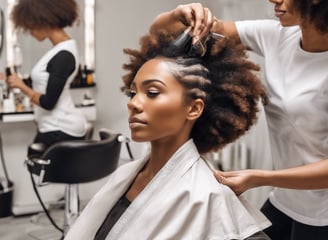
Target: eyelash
[150, 93]
[130, 93]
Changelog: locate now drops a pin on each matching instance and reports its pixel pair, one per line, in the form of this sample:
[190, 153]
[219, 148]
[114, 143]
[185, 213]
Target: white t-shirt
[297, 114]
[64, 116]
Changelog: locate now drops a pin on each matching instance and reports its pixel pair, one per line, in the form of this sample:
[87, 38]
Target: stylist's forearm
[167, 21]
[33, 95]
[311, 176]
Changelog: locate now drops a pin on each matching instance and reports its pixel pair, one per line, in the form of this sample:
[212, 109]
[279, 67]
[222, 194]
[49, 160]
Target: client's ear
[195, 109]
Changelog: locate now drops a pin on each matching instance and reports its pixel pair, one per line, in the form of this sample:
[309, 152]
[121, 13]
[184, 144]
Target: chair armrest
[32, 161]
[36, 166]
[36, 149]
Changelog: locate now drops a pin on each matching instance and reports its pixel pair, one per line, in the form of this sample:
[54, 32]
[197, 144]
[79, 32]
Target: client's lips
[279, 13]
[135, 122]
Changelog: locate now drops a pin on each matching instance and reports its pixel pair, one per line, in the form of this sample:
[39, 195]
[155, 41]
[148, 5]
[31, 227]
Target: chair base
[72, 205]
[71, 212]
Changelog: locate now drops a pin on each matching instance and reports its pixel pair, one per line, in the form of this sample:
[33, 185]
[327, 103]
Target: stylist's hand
[239, 181]
[2, 76]
[14, 81]
[197, 16]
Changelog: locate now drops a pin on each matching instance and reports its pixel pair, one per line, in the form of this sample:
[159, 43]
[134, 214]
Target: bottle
[8, 73]
[18, 56]
[89, 78]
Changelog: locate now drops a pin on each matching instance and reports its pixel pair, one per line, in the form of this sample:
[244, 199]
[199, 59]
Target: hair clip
[200, 47]
[216, 36]
[183, 44]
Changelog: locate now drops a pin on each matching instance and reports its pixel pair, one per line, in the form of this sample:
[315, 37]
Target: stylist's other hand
[238, 181]
[14, 81]
[197, 16]
[2, 76]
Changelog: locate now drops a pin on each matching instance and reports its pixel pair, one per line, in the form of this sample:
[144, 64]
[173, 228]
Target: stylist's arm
[14, 81]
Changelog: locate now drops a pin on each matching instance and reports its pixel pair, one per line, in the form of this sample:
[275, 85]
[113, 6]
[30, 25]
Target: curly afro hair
[224, 78]
[35, 14]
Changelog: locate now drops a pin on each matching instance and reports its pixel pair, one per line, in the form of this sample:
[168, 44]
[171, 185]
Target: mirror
[23, 51]
[1, 30]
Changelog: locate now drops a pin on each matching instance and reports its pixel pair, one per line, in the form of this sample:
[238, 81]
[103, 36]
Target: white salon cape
[183, 201]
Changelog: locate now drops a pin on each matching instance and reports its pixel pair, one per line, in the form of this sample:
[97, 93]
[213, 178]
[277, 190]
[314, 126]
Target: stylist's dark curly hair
[223, 78]
[35, 14]
[316, 11]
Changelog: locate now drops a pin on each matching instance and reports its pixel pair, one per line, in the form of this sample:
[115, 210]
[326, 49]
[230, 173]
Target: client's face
[157, 110]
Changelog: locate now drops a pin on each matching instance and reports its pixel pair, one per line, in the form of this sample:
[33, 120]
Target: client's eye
[130, 93]
[152, 93]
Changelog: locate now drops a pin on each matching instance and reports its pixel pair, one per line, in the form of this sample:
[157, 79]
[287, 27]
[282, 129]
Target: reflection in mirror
[89, 36]
[23, 51]
[11, 36]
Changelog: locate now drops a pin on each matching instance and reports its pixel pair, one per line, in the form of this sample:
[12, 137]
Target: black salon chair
[75, 162]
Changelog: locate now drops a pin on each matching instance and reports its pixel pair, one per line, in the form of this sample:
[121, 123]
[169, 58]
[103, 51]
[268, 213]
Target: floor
[33, 227]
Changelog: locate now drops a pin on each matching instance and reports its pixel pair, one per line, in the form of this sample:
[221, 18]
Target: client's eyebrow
[148, 81]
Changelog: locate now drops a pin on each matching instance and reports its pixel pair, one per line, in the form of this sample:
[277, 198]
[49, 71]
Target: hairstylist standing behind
[295, 50]
[54, 110]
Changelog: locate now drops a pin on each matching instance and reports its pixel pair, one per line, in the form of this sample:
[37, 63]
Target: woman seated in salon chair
[185, 100]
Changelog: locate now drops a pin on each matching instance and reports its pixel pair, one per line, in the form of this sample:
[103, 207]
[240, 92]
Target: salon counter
[22, 116]
[16, 116]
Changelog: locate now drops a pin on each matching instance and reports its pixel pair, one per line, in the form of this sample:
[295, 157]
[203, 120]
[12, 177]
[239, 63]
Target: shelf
[17, 116]
[83, 86]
